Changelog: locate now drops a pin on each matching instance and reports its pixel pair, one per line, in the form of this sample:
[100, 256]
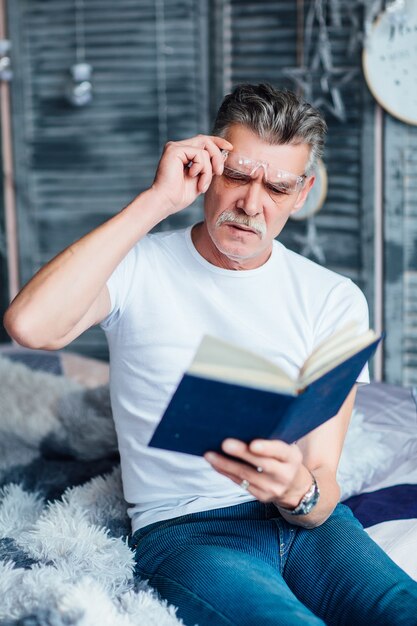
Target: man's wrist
[308, 501]
[149, 208]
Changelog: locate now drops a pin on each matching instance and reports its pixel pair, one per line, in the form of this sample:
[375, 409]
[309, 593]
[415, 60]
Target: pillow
[382, 435]
[87, 371]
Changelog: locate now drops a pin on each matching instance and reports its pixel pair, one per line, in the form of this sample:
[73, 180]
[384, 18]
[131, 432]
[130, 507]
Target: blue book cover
[204, 411]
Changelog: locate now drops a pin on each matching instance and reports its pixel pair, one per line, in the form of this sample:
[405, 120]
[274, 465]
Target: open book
[231, 392]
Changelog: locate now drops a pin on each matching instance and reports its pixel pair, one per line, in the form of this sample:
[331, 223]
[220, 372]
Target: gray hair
[278, 117]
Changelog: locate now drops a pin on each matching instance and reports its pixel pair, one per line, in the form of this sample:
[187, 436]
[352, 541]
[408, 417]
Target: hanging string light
[80, 89]
[161, 71]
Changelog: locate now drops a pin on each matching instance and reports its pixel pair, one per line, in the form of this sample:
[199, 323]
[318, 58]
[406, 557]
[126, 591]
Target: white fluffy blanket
[64, 557]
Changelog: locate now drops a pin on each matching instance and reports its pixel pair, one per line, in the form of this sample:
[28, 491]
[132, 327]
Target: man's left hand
[271, 470]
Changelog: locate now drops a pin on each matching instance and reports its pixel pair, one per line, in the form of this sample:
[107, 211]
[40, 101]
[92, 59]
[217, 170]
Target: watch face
[390, 61]
[308, 502]
[306, 506]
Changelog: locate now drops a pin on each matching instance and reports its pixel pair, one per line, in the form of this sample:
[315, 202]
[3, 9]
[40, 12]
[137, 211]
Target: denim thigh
[344, 577]
[223, 567]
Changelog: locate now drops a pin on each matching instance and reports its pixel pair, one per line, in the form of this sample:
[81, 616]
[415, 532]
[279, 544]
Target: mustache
[243, 220]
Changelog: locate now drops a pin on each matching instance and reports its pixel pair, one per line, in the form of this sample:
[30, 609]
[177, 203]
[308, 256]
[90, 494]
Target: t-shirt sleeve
[119, 285]
[345, 303]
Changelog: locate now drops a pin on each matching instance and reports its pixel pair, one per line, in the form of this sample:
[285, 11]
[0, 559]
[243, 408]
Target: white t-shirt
[164, 297]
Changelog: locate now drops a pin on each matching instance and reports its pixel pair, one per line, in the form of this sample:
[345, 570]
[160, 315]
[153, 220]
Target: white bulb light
[80, 90]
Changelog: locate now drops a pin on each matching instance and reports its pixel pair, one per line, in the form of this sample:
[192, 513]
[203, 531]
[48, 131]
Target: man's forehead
[249, 144]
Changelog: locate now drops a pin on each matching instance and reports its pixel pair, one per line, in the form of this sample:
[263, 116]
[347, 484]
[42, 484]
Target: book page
[337, 341]
[326, 360]
[224, 361]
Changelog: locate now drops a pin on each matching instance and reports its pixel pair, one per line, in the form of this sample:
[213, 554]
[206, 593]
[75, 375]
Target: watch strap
[307, 502]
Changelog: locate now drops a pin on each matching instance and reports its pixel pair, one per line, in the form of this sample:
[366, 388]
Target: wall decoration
[317, 76]
[390, 60]
[311, 242]
[317, 195]
[313, 61]
[80, 88]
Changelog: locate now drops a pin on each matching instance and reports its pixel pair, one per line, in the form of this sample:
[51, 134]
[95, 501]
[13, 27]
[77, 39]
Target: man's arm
[69, 294]
[285, 476]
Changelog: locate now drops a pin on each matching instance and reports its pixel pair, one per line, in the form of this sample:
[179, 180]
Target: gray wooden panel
[410, 260]
[4, 286]
[367, 214]
[78, 166]
[400, 252]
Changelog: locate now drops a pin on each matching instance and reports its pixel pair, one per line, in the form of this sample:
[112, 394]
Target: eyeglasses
[242, 170]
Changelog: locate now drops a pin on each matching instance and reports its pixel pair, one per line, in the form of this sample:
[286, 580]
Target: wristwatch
[307, 502]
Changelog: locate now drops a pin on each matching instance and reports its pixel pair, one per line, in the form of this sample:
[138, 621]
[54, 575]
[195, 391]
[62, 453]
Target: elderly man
[255, 536]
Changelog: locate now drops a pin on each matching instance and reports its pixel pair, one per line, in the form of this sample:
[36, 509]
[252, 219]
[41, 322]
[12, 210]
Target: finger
[243, 483]
[231, 467]
[274, 457]
[206, 173]
[192, 159]
[222, 463]
[195, 165]
[214, 148]
[243, 451]
[237, 472]
[260, 490]
[201, 140]
[213, 144]
[221, 142]
[201, 166]
[217, 162]
[240, 450]
[204, 141]
[276, 449]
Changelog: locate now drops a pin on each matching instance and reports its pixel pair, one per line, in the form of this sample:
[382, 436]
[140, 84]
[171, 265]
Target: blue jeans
[246, 566]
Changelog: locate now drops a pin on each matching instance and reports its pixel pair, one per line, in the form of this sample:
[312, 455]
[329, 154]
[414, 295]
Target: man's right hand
[186, 169]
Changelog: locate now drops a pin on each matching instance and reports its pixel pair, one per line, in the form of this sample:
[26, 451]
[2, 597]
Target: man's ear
[302, 196]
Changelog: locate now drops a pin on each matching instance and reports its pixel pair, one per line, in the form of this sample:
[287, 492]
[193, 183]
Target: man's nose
[251, 198]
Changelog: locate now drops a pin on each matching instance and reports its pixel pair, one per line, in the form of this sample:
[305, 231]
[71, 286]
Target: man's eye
[235, 176]
[278, 190]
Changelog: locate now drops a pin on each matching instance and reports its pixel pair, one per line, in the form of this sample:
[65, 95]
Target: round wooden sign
[316, 196]
[390, 62]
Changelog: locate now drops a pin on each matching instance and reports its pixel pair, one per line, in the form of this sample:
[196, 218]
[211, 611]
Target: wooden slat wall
[78, 166]
[158, 65]
[410, 260]
[401, 252]
[3, 257]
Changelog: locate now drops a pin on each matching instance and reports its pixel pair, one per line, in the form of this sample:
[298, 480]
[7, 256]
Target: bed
[64, 557]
